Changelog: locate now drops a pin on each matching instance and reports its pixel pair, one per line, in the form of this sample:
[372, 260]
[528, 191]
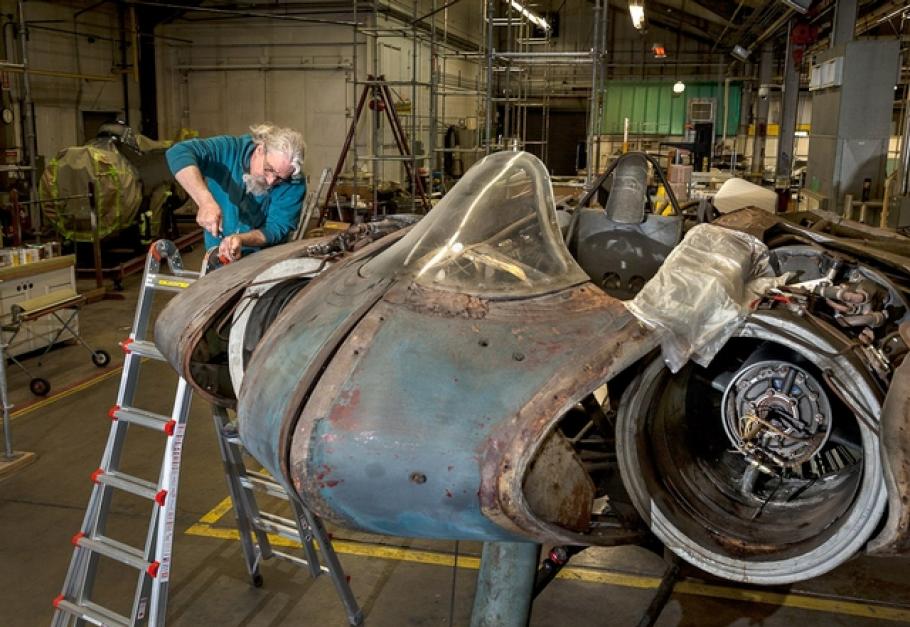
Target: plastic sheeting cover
[703, 291]
[117, 186]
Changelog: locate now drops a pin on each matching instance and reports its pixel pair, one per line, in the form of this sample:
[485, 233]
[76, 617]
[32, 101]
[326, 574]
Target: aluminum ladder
[153, 561]
[254, 525]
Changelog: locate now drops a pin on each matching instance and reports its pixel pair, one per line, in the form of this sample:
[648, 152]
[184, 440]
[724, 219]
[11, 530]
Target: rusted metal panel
[397, 432]
[557, 487]
[894, 538]
[184, 322]
[825, 230]
[755, 222]
[296, 348]
[510, 449]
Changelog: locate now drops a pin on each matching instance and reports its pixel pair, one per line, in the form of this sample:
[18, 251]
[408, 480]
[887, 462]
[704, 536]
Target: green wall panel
[653, 109]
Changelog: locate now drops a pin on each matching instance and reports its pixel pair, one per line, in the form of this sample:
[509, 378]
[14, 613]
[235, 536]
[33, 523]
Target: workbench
[21, 283]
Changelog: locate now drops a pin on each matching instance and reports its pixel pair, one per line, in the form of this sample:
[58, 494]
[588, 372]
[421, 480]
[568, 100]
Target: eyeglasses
[269, 170]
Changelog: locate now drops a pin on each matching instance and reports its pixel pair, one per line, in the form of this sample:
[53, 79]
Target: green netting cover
[117, 187]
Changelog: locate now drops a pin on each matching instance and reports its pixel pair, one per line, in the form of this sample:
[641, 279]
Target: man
[249, 189]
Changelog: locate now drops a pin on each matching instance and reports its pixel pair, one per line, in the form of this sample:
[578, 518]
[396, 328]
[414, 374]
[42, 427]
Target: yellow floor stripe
[68, 392]
[573, 573]
[217, 512]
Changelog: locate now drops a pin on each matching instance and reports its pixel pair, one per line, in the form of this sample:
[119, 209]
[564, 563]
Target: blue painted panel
[423, 397]
[287, 351]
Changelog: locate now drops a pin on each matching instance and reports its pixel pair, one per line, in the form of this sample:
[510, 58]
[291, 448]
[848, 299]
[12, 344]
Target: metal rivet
[518, 356]
[484, 343]
[418, 477]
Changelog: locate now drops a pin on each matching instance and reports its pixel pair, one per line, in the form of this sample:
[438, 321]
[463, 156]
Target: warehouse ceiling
[722, 23]
[749, 23]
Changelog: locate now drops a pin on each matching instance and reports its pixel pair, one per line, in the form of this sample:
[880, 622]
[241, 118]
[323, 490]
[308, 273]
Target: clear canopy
[494, 234]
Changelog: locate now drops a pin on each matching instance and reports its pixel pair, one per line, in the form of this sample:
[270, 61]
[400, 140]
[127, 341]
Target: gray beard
[255, 185]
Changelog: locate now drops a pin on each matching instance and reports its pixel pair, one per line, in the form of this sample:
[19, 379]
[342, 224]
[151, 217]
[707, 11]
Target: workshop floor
[396, 581]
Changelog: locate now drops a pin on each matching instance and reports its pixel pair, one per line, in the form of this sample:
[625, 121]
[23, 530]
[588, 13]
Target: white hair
[287, 141]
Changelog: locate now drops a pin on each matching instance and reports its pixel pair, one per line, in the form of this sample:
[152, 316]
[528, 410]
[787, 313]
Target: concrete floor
[396, 581]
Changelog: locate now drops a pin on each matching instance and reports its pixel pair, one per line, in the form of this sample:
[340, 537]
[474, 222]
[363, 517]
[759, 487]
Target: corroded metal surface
[419, 404]
[510, 449]
[895, 442]
[186, 319]
[755, 222]
[295, 350]
[821, 228]
[557, 487]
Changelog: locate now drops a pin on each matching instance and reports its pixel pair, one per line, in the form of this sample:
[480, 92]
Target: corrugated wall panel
[653, 109]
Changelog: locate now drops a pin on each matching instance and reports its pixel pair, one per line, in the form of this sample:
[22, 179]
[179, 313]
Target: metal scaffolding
[491, 91]
[525, 71]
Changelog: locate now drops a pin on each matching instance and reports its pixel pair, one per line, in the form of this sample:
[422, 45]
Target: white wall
[60, 100]
[230, 76]
[290, 74]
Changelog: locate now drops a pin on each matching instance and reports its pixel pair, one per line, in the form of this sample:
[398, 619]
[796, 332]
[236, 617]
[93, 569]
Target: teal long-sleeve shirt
[223, 160]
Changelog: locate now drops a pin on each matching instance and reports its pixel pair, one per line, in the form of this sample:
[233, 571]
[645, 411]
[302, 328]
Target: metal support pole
[4, 399]
[592, 105]
[96, 238]
[505, 584]
[31, 144]
[765, 68]
[124, 63]
[664, 590]
[905, 145]
[433, 161]
[844, 22]
[789, 104]
[490, 52]
[17, 218]
[414, 173]
[354, 79]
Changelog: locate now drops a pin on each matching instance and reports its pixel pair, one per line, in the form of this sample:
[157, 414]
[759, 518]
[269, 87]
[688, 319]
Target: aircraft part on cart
[465, 379]
[118, 190]
[127, 181]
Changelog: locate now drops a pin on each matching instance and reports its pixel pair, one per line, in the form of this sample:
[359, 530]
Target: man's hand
[230, 248]
[209, 217]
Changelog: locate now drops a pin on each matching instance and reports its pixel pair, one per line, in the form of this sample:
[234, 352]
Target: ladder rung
[143, 418]
[127, 483]
[263, 483]
[123, 553]
[262, 477]
[278, 526]
[275, 491]
[298, 560]
[143, 349]
[91, 612]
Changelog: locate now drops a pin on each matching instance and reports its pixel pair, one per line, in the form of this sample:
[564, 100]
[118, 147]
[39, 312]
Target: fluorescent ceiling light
[637, 12]
[679, 87]
[741, 54]
[536, 20]
[801, 6]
